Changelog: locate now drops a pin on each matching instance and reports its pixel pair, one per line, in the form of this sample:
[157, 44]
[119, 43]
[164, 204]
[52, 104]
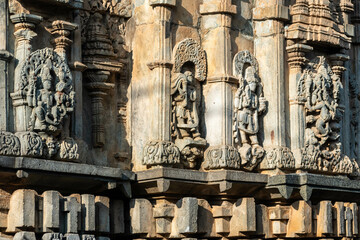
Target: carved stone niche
[249, 105]
[320, 91]
[186, 93]
[46, 84]
[187, 145]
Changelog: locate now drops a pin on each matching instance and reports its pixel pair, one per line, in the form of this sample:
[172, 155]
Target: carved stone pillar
[24, 33]
[269, 17]
[61, 30]
[98, 86]
[166, 153]
[99, 57]
[296, 59]
[161, 67]
[216, 26]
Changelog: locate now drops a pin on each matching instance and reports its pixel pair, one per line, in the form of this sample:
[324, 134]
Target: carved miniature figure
[249, 104]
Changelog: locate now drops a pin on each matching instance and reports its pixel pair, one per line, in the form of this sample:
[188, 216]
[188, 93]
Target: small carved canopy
[189, 50]
[241, 60]
[37, 60]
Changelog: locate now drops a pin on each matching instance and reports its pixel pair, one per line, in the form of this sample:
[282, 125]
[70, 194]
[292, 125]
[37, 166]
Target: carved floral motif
[161, 153]
[249, 104]
[278, 157]
[9, 144]
[189, 50]
[69, 149]
[222, 157]
[31, 144]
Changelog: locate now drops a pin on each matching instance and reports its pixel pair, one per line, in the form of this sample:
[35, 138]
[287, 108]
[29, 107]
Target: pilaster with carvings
[160, 65]
[220, 84]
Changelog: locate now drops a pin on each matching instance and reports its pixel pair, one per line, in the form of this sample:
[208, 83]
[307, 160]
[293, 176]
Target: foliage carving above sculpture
[189, 50]
[249, 105]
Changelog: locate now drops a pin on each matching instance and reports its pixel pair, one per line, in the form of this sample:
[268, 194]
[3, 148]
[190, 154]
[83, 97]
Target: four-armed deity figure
[249, 104]
[49, 105]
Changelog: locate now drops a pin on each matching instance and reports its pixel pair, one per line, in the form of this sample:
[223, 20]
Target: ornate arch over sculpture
[188, 50]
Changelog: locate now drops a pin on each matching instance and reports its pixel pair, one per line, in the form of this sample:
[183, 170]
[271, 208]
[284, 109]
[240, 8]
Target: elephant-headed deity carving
[47, 81]
[189, 71]
[249, 104]
[319, 89]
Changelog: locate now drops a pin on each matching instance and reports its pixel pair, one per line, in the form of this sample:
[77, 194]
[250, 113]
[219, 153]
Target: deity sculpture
[185, 116]
[319, 89]
[249, 104]
[49, 106]
[185, 104]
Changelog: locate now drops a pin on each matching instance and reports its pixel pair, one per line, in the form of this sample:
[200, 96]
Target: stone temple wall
[179, 119]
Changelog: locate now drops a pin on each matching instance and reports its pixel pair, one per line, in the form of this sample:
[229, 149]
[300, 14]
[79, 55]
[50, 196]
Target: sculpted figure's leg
[244, 139]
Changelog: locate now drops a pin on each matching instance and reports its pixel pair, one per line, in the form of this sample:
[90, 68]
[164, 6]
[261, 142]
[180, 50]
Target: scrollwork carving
[31, 144]
[222, 157]
[249, 104]
[161, 153]
[9, 144]
[278, 157]
[189, 50]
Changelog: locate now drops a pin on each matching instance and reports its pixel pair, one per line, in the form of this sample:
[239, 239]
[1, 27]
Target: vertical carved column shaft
[24, 33]
[161, 67]
[217, 44]
[98, 85]
[269, 17]
[296, 59]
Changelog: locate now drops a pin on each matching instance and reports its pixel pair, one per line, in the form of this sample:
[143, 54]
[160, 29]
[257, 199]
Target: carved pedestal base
[315, 160]
[31, 144]
[222, 157]
[278, 157]
[161, 153]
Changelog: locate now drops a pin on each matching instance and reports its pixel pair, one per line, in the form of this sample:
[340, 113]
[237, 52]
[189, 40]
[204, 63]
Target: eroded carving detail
[9, 144]
[320, 91]
[161, 153]
[31, 144]
[69, 149]
[222, 157]
[278, 157]
[249, 104]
